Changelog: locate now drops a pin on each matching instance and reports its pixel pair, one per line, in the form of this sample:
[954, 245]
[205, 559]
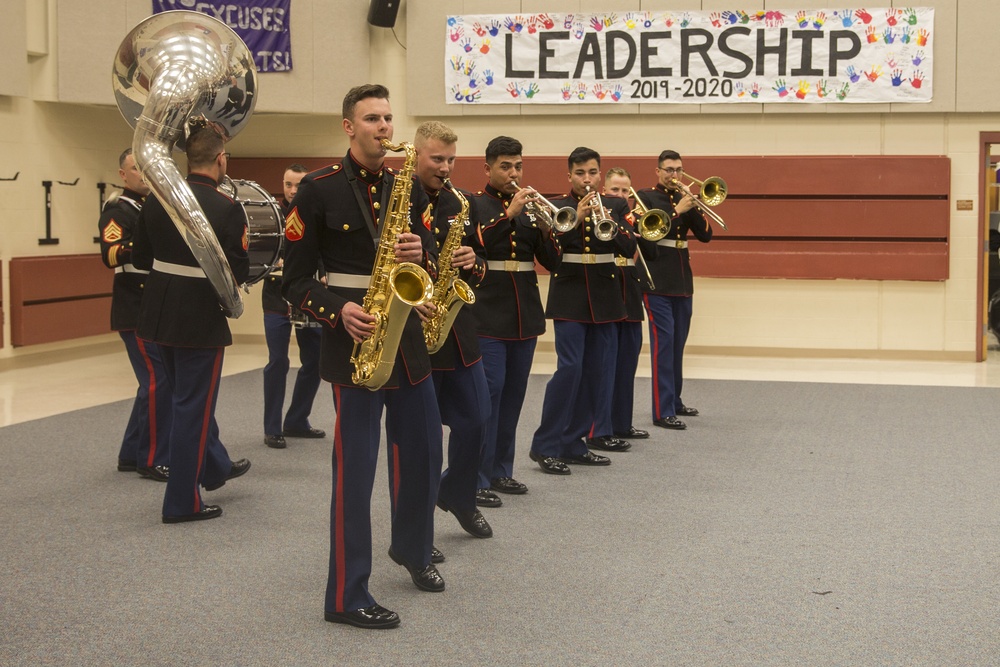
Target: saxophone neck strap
[366, 210]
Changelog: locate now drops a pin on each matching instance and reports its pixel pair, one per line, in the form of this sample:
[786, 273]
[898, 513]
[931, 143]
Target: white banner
[804, 56]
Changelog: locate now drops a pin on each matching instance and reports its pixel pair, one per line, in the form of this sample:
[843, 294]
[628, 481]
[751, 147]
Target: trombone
[561, 219]
[653, 223]
[713, 192]
[605, 228]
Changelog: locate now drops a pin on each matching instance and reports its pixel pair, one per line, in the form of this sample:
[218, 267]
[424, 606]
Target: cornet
[560, 219]
[653, 223]
[713, 192]
[605, 228]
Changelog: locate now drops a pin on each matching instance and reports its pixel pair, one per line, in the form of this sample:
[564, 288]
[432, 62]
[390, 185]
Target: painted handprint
[616, 92]
[578, 31]
[610, 19]
[457, 92]
[744, 17]
[821, 88]
[911, 16]
[739, 90]
[890, 62]
[488, 77]
[917, 79]
[457, 63]
[905, 37]
[479, 29]
[485, 46]
[532, 25]
[494, 28]
[466, 45]
[455, 34]
[864, 16]
[647, 20]
[668, 20]
[546, 21]
[891, 16]
[872, 34]
[842, 93]
[454, 20]
[513, 89]
[852, 74]
[847, 17]
[755, 91]
[888, 35]
[567, 90]
[802, 19]
[922, 36]
[568, 21]
[918, 58]
[599, 91]
[730, 17]
[803, 90]
[716, 19]
[819, 20]
[779, 87]
[874, 74]
[897, 78]
[773, 19]
[472, 95]
[597, 23]
[685, 20]
[581, 91]
[532, 90]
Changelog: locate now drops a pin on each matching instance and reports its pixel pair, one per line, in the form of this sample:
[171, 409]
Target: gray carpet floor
[791, 524]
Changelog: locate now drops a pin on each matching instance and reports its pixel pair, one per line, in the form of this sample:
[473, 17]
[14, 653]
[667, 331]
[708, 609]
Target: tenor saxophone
[394, 288]
[450, 291]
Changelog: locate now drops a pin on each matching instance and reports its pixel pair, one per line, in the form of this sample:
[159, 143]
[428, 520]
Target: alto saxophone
[450, 291]
[394, 288]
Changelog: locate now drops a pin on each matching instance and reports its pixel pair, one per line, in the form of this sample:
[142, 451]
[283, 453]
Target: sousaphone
[171, 68]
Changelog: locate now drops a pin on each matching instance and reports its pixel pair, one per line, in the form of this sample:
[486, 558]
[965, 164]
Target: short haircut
[617, 171]
[358, 93]
[502, 146]
[297, 168]
[121, 158]
[203, 146]
[668, 155]
[583, 154]
[434, 129]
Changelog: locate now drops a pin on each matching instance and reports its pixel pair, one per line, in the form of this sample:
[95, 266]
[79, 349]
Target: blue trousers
[278, 333]
[669, 323]
[197, 456]
[464, 402]
[623, 396]
[148, 429]
[577, 391]
[507, 366]
[413, 427]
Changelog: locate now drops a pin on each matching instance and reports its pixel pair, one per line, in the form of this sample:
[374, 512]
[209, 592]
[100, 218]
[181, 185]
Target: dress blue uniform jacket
[671, 267]
[117, 231]
[508, 305]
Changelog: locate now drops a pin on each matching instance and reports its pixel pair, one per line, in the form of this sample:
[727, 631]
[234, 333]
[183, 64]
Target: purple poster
[262, 24]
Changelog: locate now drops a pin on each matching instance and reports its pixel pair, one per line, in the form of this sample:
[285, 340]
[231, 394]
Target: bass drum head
[265, 225]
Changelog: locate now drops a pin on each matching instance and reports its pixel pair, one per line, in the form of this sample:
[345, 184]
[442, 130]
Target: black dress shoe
[588, 459]
[156, 473]
[474, 523]
[126, 466]
[437, 556]
[671, 422]
[375, 617]
[425, 578]
[685, 411]
[634, 433]
[550, 465]
[275, 441]
[209, 512]
[486, 498]
[609, 444]
[508, 485]
[308, 433]
[239, 468]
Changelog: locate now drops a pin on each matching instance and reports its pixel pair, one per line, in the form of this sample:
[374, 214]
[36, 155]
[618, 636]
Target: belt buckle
[510, 265]
[588, 258]
[682, 244]
[621, 261]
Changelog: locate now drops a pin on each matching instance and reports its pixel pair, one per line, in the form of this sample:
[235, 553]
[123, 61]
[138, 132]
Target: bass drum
[265, 225]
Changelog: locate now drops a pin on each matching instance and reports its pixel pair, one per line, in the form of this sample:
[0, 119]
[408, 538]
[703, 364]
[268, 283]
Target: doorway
[988, 291]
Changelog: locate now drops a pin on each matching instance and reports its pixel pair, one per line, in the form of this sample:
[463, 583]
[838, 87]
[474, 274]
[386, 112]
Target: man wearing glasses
[669, 305]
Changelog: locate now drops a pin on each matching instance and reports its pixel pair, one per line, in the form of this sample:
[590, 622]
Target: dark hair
[358, 93]
[583, 154]
[502, 146]
[203, 146]
[667, 155]
[121, 158]
[297, 168]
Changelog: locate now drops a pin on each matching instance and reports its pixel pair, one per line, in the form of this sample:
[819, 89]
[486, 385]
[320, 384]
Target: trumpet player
[337, 216]
[508, 310]
[585, 301]
[459, 379]
[669, 305]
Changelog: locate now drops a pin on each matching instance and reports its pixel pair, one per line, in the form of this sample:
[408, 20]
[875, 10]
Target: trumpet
[653, 223]
[561, 219]
[713, 192]
[605, 228]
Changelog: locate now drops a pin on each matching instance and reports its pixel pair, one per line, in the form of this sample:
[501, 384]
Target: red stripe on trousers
[152, 402]
[338, 491]
[654, 347]
[205, 422]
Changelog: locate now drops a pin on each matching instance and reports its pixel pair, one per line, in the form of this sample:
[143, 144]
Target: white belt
[509, 265]
[624, 261]
[128, 268]
[589, 258]
[672, 243]
[348, 280]
[179, 269]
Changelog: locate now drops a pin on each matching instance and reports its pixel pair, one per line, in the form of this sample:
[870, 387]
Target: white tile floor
[62, 377]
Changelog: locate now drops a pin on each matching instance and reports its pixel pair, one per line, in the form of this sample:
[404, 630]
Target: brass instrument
[713, 192]
[174, 67]
[394, 288]
[561, 220]
[450, 291]
[605, 228]
[653, 223]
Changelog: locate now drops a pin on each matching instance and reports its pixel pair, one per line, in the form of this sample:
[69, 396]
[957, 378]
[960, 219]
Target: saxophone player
[338, 216]
[462, 392]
